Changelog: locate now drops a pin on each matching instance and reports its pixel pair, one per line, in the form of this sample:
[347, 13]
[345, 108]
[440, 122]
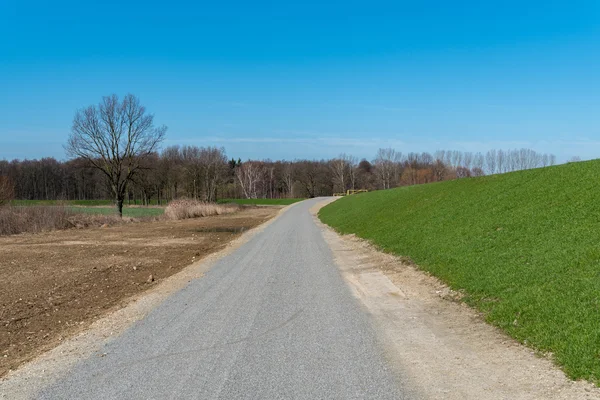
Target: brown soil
[57, 283]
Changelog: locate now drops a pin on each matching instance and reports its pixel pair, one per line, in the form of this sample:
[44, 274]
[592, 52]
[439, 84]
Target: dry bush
[15, 220]
[86, 220]
[34, 219]
[182, 209]
[7, 190]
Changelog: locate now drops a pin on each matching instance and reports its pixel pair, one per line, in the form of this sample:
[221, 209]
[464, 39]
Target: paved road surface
[273, 320]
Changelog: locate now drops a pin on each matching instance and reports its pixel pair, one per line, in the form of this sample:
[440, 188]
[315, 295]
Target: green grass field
[524, 247]
[261, 202]
[105, 207]
[133, 212]
[90, 203]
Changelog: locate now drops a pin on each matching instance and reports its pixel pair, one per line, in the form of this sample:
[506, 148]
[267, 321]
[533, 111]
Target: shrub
[182, 209]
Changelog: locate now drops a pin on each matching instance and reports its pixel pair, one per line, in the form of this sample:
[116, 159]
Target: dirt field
[55, 284]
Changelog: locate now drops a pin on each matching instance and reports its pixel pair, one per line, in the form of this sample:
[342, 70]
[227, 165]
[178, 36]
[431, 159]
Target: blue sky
[309, 79]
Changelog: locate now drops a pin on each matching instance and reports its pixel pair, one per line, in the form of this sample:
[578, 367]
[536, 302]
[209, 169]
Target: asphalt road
[273, 320]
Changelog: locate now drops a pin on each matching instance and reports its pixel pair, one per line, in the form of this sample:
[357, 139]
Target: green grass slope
[524, 247]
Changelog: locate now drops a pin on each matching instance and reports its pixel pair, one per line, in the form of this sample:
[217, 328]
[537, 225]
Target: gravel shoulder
[444, 348]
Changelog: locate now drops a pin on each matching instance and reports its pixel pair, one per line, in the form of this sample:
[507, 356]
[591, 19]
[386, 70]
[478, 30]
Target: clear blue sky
[309, 79]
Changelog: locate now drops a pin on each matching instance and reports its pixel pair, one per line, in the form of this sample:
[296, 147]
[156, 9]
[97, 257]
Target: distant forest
[205, 173]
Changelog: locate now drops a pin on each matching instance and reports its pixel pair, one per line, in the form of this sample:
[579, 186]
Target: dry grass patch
[183, 209]
[35, 219]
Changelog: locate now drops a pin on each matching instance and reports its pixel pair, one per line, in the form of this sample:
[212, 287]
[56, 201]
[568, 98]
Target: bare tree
[314, 178]
[352, 171]
[457, 157]
[172, 169]
[271, 179]
[289, 177]
[7, 190]
[213, 161]
[467, 160]
[191, 157]
[477, 171]
[250, 176]
[462, 172]
[386, 166]
[114, 137]
[478, 161]
[439, 169]
[502, 164]
[440, 155]
[344, 171]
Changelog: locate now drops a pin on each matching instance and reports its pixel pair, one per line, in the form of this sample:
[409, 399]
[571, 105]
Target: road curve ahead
[272, 320]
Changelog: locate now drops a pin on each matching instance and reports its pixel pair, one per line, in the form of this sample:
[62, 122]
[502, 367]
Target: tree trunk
[120, 207]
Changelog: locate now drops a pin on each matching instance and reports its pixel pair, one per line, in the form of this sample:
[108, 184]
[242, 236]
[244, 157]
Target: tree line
[205, 173]
[114, 153]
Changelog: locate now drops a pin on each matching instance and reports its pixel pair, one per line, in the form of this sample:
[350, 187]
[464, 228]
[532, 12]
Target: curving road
[273, 320]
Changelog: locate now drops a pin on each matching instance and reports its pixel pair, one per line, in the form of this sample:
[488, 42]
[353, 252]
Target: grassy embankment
[524, 248]
[260, 202]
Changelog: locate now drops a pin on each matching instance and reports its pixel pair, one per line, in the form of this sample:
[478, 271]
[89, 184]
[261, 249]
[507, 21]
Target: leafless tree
[114, 137]
[250, 176]
[545, 160]
[314, 178]
[477, 171]
[457, 157]
[478, 161]
[271, 179]
[439, 170]
[440, 155]
[409, 175]
[7, 190]
[289, 178]
[339, 169]
[353, 169]
[343, 171]
[192, 165]
[426, 159]
[467, 160]
[462, 172]
[502, 163]
[171, 166]
[386, 166]
[213, 162]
